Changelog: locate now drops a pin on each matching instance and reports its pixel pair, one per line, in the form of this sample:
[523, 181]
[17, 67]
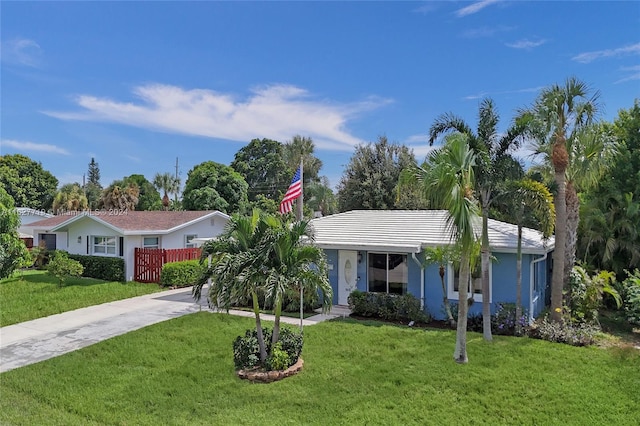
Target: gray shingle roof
[412, 231]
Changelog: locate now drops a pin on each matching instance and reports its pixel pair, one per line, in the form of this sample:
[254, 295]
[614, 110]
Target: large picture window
[104, 245]
[475, 285]
[388, 273]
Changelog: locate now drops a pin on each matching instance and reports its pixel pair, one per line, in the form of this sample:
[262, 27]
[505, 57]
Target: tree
[494, 165]
[261, 163]
[149, 197]
[442, 256]
[319, 197]
[27, 182]
[447, 180]
[371, 177]
[93, 188]
[168, 184]
[61, 267]
[12, 249]
[214, 186]
[556, 118]
[301, 148]
[70, 197]
[120, 196]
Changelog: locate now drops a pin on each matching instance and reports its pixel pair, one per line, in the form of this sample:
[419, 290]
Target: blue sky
[137, 84]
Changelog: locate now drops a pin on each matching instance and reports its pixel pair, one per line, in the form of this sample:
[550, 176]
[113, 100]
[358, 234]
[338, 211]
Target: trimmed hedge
[389, 307]
[101, 267]
[181, 274]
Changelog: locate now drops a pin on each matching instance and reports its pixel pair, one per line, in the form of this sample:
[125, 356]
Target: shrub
[61, 267]
[504, 320]
[388, 307]
[101, 267]
[631, 297]
[246, 353]
[587, 293]
[575, 334]
[181, 274]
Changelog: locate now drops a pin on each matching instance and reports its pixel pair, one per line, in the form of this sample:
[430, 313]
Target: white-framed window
[103, 245]
[151, 242]
[188, 240]
[453, 278]
[387, 273]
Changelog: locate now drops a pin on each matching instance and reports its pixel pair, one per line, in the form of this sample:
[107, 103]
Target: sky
[137, 85]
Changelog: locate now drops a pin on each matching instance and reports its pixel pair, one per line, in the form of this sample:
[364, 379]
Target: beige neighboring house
[118, 233]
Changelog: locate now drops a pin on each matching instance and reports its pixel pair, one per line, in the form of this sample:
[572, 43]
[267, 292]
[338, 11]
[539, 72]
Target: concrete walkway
[40, 339]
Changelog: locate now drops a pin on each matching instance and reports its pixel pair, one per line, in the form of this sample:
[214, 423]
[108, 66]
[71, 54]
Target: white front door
[347, 274]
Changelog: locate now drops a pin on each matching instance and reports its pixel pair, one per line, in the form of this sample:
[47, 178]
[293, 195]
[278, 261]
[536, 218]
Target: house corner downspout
[415, 259]
[531, 277]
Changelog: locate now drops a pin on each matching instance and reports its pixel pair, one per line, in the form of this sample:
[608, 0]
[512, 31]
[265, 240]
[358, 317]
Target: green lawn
[180, 372]
[34, 294]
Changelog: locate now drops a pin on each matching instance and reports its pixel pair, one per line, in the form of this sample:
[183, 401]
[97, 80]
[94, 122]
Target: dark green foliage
[100, 267]
[278, 359]
[181, 274]
[474, 321]
[148, 197]
[575, 334]
[246, 353]
[630, 293]
[261, 163]
[27, 182]
[61, 267]
[504, 321]
[214, 186]
[12, 249]
[388, 307]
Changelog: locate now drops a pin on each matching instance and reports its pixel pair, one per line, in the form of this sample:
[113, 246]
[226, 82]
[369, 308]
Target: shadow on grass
[37, 276]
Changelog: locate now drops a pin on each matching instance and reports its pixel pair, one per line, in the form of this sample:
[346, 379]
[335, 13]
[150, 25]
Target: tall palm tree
[120, 196]
[442, 256]
[167, 183]
[448, 180]
[320, 197]
[70, 197]
[301, 148]
[556, 118]
[494, 165]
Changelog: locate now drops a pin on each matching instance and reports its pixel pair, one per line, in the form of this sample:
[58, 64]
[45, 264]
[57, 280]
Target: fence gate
[148, 261]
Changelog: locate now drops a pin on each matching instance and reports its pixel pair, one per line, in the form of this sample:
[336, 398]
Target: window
[151, 242]
[104, 245]
[388, 273]
[476, 283]
[188, 241]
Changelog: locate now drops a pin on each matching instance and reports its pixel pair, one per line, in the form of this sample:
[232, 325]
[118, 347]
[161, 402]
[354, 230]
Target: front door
[347, 274]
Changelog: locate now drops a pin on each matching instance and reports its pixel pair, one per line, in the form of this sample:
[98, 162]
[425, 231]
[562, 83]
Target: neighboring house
[381, 251]
[118, 233]
[27, 217]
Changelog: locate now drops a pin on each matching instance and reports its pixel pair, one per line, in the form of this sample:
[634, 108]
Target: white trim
[190, 243]
[477, 297]
[157, 245]
[531, 278]
[105, 246]
[405, 261]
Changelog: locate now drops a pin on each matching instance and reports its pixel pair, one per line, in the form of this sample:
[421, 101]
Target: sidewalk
[43, 338]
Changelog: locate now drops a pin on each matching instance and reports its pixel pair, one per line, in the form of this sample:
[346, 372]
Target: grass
[35, 294]
[180, 372]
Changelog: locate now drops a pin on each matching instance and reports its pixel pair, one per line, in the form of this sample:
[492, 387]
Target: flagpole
[299, 212]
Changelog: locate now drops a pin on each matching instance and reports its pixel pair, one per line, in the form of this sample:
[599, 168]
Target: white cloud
[30, 146]
[277, 111]
[503, 92]
[132, 158]
[486, 31]
[21, 51]
[586, 57]
[426, 8]
[474, 8]
[635, 74]
[526, 44]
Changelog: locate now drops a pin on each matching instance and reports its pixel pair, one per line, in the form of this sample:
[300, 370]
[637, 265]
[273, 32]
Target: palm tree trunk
[445, 299]
[557, 277]
[256, 311]
[519, 281]
[460, 354]
[573, 218]
[485, 252]
[277, 311]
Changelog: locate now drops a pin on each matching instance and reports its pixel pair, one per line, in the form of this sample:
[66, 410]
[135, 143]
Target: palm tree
[70, 197]
[494, 165]
[556, 118]
[120, 196]
[447, 180]
[320, 198]
[442, 256]
[167, 183]
[301, 148]
[294, 262]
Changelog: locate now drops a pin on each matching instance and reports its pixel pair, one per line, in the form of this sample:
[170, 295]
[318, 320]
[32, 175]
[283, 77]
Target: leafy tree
[494, 166]
[302, 148]
[261, 163]
[556, 118]
[120, 196]
[27, 182]
[149, 197]
[168, 184]
[214, 186]
[70, 197]
[371, 177]
[12, 249]
[447, 180]
[318, 196]
[93, 188]
[61, 267]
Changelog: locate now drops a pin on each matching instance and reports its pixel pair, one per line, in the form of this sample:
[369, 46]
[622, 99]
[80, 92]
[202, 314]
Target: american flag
[294, 191]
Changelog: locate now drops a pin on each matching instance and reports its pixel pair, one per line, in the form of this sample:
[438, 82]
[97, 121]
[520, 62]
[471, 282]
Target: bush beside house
[388, 307]
[100, 267]
[181, 274]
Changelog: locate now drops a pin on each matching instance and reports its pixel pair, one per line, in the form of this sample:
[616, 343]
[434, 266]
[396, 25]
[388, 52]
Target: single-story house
[119, 233]
[27, 216]
[382, 251]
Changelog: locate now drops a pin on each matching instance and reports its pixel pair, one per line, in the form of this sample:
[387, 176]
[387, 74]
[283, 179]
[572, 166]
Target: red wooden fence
[148, 262]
